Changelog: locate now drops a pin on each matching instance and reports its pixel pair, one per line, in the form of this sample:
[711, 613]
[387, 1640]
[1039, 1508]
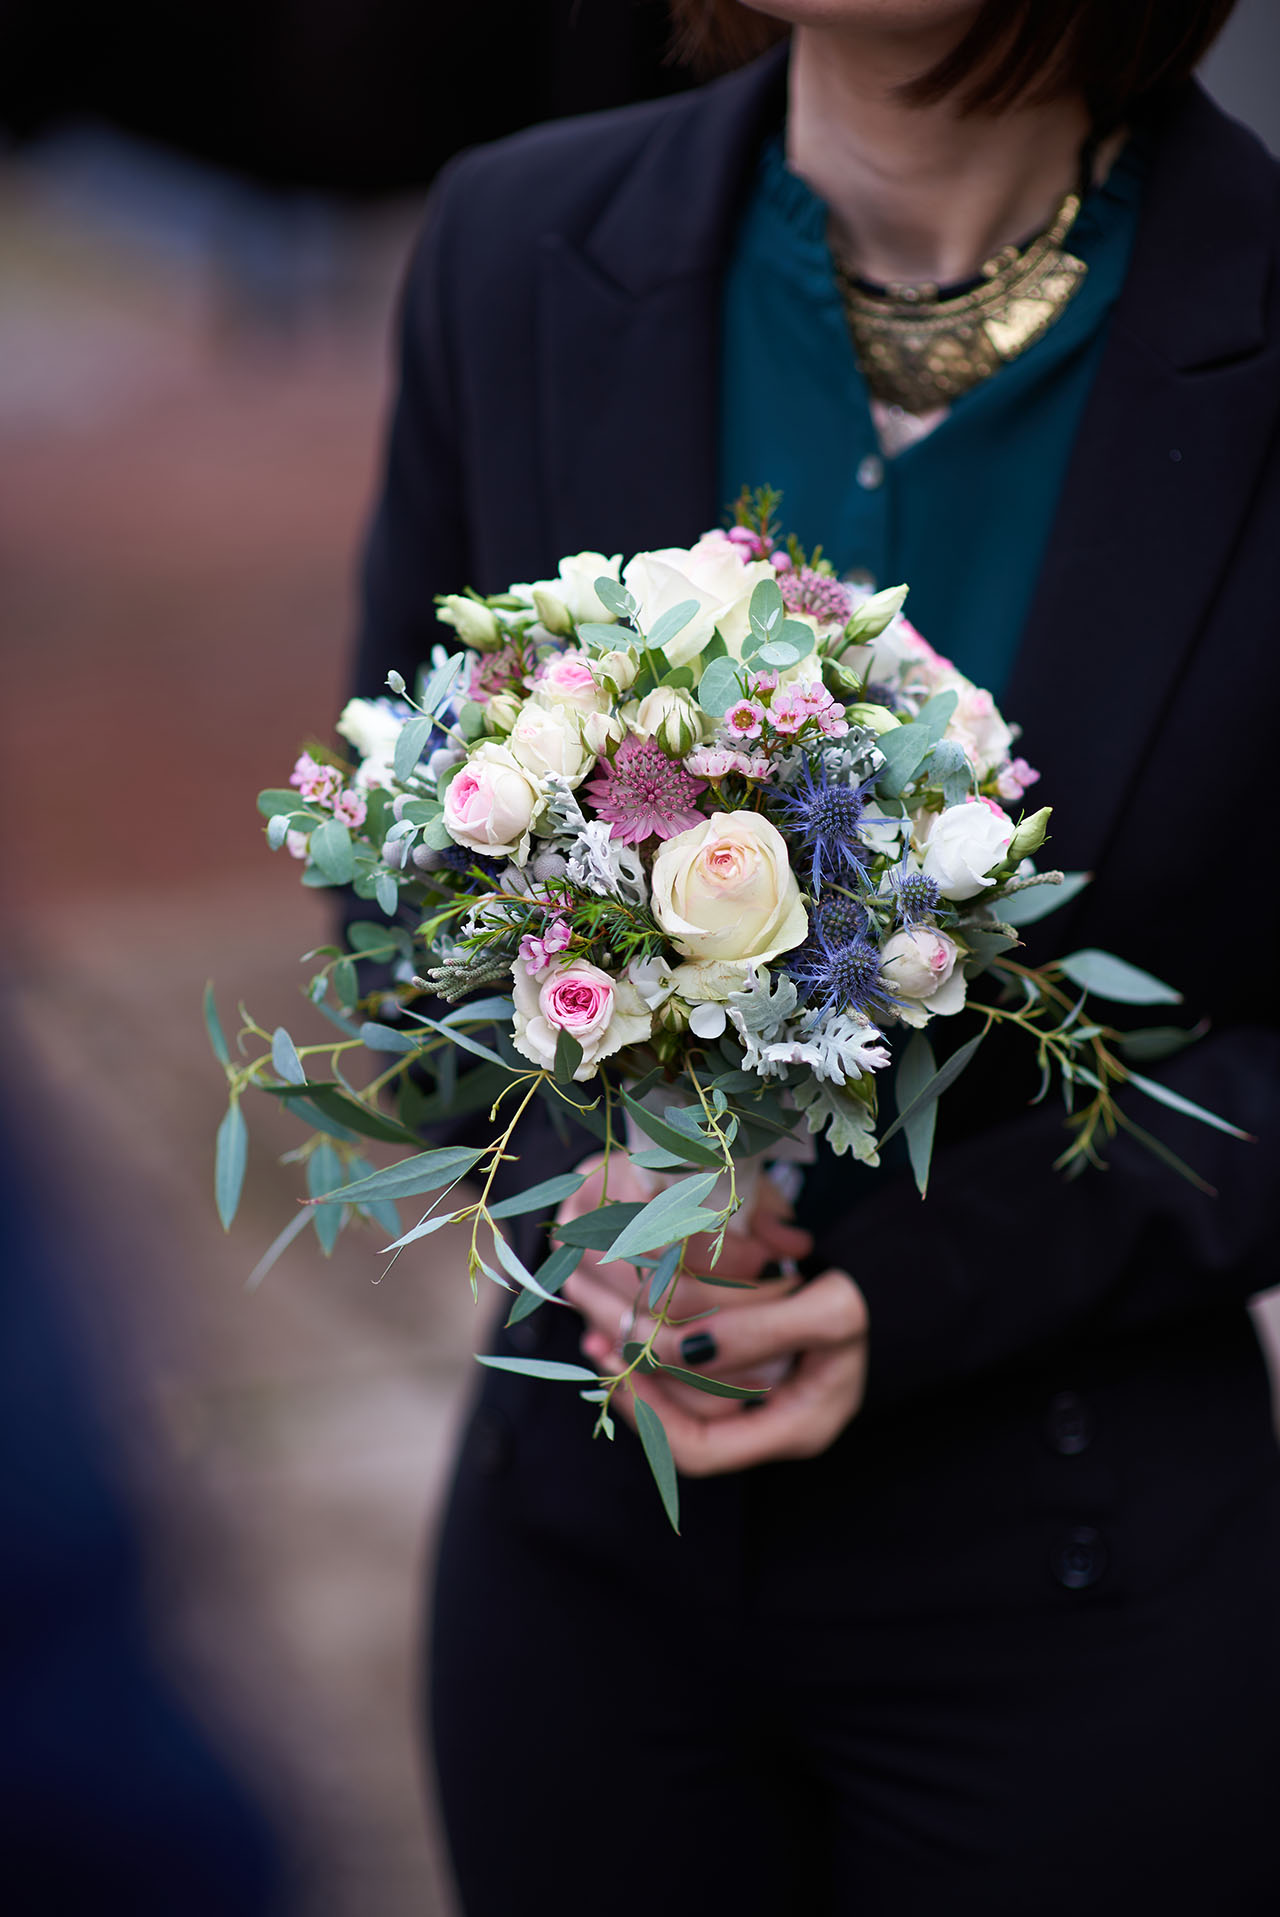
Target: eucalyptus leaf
[427, 1171]
[284, 1058]
[324, 1173]
[904, 751]
[615, 596]
[720, 685]
[435, 694]
[230, 1157]
[1115, 979]
[595, 1230]
[515, 1264]
[385, 1038]
[1164, 1095]
[663, 1274]
[551, 1368]
[766, 610]
[540, 1197]
[552, 1274]
[712, 1386]
[387, 893]
[568, 1057]
[665, 1217]
[946, 1075]
[653, 1437]
[410, 742]
[277, 830]
[280, 1243]
[213, 1025]
[918, 1067]
[671, 1136]
[1154, 1042]
[332, 851]
[672, 621]
[936, 712]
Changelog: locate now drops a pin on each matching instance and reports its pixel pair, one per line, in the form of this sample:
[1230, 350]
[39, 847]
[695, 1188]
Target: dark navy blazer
[559, 393]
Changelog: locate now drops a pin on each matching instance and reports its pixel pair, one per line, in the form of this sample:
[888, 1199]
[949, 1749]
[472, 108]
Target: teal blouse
[963, 515]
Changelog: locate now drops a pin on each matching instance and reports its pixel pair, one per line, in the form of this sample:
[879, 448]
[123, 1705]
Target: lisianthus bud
[616, 669]
[551, 610]
[502, 711]
[871, 616]
[1030, 835]
[473, 622]
[877, 719]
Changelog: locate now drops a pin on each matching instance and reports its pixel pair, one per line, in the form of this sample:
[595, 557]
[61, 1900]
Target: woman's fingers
[815, 1317]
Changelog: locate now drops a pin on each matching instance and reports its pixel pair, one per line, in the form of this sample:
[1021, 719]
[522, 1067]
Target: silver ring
[627, 1323]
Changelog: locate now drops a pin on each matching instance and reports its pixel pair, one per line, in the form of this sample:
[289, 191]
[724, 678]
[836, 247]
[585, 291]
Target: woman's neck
[919, 193]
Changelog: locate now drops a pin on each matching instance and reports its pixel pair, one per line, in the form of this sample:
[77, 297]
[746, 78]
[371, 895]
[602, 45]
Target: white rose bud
[600, 730]
[502, 711]
[877, 719]
[617, 670]
[551, 610]
[1030, 835]
[919, 966]
[670, 716]
[966, 845]
[543, 741]
[474, 624]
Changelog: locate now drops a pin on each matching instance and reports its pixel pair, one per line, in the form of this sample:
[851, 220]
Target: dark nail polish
[699, 1348]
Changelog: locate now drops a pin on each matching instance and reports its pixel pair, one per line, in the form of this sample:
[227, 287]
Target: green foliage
[568, 1057]
[1112, 978]
[551, 1368]
[675, 1213]
[916, 1071]
[230, 1157]
[672, 622]
[213, 1025]
[657, 1450]
[685, 1146]
[720, 685]
[427, 1171]
[324, 1173]
[1028, 903]
[332, 852]
[946, 1075]
[284, 1057]
[1155, 1042]
[541, 1197]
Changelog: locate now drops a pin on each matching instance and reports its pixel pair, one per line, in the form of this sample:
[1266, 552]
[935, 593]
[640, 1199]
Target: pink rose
[490, 804]
[603, 1014]
[566, 679]
[920, 968]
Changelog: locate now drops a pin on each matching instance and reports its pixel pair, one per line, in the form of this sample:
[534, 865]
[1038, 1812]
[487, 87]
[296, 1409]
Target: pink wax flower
[763, 681]
[711, 762]
[749, 544]
[743, 721]
[1012, 780]
[642, 793]
[536, 953]
[350, 808]
[780, 561]
[789, 711]
[319, 784]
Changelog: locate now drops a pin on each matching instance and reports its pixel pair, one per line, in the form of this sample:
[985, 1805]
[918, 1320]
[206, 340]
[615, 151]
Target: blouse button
[870, 473]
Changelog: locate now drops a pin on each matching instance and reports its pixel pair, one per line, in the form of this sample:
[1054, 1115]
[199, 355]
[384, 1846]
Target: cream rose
[725, 890]
[965, 846]
[546, 741]
[603, 1014]
[490, 804]
[711, 573]
[572, 596]
[567, 680]
[919, 966]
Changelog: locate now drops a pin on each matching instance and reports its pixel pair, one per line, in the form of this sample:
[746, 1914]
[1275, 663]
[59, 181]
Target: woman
[978, 1610]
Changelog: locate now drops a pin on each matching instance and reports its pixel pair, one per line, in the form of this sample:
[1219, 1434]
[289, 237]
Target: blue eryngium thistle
[823, 816]
[915, 895]
[841, 977]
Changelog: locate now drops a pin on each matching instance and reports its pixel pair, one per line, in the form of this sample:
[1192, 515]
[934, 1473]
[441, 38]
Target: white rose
[572, 595]
[603, 1014]
[725, 890]
[670, 716]
[920, 968]
[616, 670]
[474, 624]
[965, 845]
[490, 804]
[710, 573]
[546, 741]
[372, 726]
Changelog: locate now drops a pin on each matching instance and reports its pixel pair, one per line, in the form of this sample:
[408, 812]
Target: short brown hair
[1120, 54]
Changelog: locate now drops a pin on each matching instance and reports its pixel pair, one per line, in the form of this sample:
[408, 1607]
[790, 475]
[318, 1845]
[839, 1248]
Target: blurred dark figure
[111, 1799]
[349, 96]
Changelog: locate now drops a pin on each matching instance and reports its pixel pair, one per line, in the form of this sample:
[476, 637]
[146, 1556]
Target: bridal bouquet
[698, 850]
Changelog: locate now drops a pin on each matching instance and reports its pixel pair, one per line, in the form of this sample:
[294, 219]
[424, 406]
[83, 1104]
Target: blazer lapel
[1182, 411]
[629, 321]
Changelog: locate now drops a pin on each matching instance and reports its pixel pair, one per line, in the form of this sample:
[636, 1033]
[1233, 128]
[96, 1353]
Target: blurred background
[204, 212]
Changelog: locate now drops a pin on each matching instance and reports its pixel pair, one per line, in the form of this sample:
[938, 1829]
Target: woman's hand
[610, 1296]
[816, 1334]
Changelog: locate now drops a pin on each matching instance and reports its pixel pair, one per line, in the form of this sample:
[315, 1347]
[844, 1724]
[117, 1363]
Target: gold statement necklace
[920, 346]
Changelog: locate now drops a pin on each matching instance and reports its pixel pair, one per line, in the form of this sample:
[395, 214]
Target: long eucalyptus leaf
[539, 1197]
[1177, 1103]
[661, 1219]
[428, 1171]
[230, 1157]
[658, 1452]
[945, 1076]
[918, 1067]
[542, 1368]
[213, 1025]
[1117, 980]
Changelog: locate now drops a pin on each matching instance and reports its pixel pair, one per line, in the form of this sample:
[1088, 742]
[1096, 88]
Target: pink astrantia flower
[1012, 780]
[537, 953]
[818, 594]
[492, 672]
[350, 808]
[642, 793]
[743, 721]
[320, 784]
